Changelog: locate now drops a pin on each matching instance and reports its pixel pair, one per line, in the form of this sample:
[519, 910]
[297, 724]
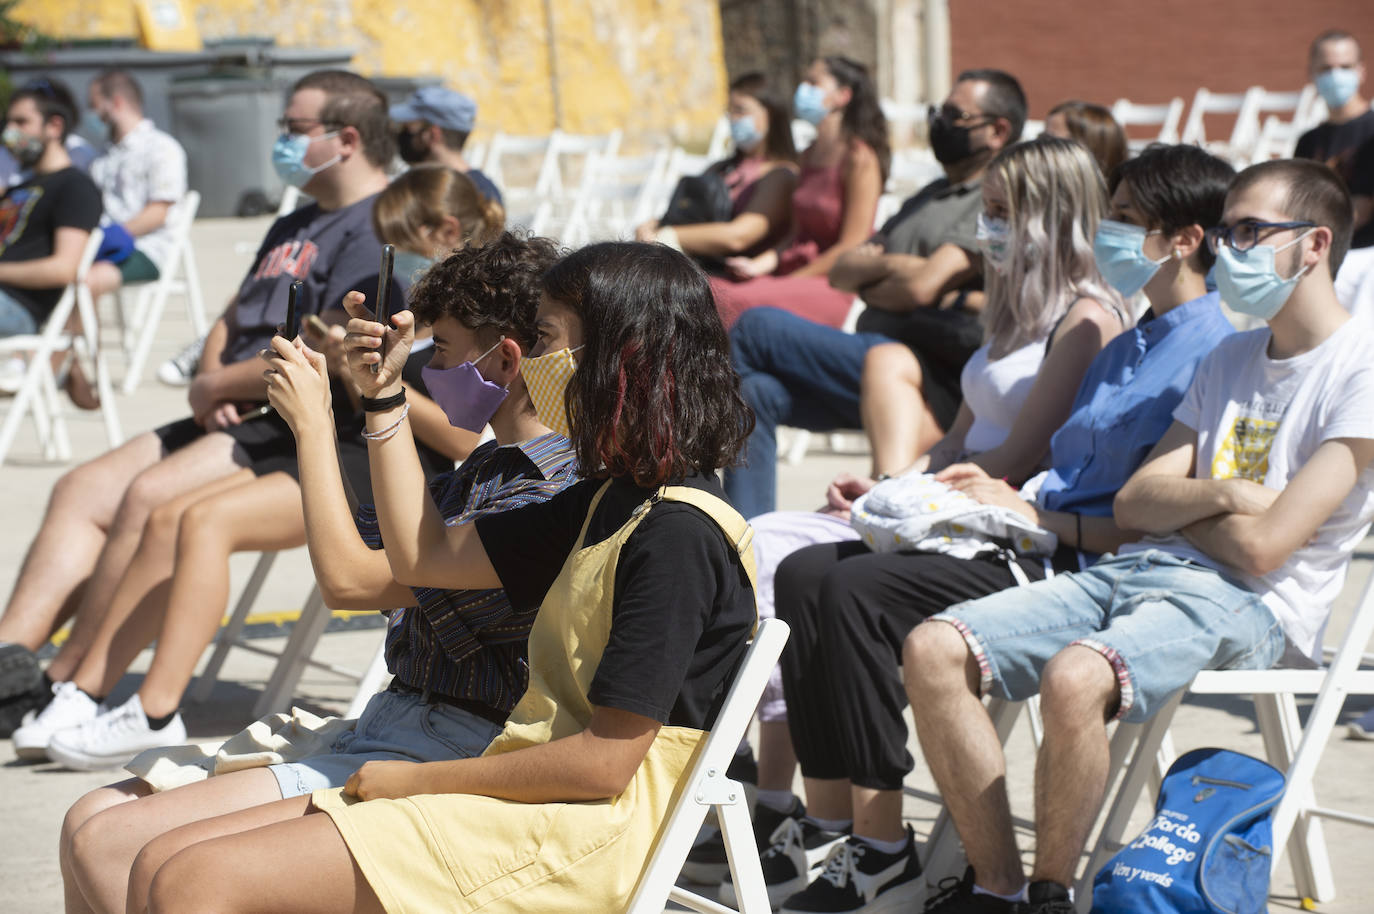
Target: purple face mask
[468, 399]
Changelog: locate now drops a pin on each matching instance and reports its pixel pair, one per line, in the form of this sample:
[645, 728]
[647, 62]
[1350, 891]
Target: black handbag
[699, 198]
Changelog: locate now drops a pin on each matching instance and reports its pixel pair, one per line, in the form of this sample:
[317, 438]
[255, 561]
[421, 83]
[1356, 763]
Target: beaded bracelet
[390, 431]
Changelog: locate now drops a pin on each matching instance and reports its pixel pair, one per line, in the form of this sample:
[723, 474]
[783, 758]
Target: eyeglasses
[1247, 233]
[302, 125]
[951, 114]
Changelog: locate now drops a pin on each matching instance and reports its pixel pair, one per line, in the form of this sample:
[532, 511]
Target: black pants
[850, 609]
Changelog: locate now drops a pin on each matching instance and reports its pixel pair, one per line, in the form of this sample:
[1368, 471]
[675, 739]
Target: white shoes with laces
[113, 737]
[70, 707]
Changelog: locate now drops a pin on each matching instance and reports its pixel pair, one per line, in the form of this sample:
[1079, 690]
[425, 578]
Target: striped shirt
[470, 644]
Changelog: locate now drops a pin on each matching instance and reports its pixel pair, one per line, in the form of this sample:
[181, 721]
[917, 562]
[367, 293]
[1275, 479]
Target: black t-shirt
[30, 215]
[332, 253]
[683, 607]
[1338, 145]
[1362, 185]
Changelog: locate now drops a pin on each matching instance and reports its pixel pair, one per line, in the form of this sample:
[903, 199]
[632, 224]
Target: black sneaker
[955, 896]
[796, 849]
[857, 877]
[706, 862]
[19, 670]
[1047, 898]
[14, 709]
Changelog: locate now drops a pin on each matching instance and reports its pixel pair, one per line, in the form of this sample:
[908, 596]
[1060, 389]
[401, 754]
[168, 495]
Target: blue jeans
[792, 372]
[15, 319]
[1156, 618]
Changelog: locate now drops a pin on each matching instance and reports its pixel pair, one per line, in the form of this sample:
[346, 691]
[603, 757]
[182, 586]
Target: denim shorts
[15, 319]
[395, 726]
[1156, 618]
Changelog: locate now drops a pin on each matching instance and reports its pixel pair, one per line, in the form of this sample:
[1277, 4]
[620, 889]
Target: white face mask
[994, 240]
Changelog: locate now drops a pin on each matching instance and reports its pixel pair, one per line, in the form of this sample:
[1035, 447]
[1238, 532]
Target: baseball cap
[439, 106]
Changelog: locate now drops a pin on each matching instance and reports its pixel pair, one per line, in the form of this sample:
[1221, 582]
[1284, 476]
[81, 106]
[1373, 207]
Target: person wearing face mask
[1345, 140]
[457, 656]
[141, 176]
[1247, 510]
[335, 144]
[919, 277]
[760, 178]
[842, 176]
[47, 218]
[432, 127]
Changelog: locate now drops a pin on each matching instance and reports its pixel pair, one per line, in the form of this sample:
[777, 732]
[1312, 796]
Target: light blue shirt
[1125, 404]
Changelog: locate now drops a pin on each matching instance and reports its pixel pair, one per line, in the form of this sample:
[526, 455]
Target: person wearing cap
[433, 125]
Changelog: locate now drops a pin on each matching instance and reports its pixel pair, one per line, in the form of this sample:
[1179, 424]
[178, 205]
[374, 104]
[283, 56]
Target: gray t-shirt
[939, 213]
[332, 253]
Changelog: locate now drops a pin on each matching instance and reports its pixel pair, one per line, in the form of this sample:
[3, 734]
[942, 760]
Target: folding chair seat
[38, 395]
[707, 787]
[181, 276]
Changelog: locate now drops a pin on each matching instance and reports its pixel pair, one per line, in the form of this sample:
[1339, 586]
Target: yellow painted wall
[646, 66]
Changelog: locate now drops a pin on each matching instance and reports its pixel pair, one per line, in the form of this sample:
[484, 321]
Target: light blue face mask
[1118, 250]
[744, 134]
[808, 103]
[288, 157]
[993, 236]
[1337, 85]
[1250, 283]
[410, 266]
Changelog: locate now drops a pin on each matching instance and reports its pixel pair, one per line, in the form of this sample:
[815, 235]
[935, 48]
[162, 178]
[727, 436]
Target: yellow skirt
[444, 853]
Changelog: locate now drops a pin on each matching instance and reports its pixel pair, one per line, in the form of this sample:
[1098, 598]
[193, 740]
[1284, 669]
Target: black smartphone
[382, 313]
[292, 295]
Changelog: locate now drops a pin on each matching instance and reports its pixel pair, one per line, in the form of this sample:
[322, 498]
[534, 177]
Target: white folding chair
[707, 787]
[179, 275]
[291, 659]
[500, 150]
[616, 194]
[1165, 116]
[719, 146]
[1277, 139]
[38, 395]
[1207, 102]
[1291, 747]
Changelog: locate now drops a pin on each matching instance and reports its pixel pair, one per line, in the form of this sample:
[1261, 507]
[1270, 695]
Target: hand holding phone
[382, 313]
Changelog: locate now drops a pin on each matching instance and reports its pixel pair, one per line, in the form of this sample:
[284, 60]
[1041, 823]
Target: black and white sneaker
[707, 863]
[857, 877]
[955, 896]
[1047, 898]
[180, 369]
[796, 849]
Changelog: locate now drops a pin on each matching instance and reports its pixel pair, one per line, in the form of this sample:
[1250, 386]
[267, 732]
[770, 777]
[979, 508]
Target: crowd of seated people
[1043, 338]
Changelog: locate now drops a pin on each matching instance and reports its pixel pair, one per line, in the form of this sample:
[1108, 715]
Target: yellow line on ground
[283, 617]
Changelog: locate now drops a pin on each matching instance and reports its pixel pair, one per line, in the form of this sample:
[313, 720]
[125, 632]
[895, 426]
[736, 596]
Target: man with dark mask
[46, 219]
[433, 126]
[915, 276]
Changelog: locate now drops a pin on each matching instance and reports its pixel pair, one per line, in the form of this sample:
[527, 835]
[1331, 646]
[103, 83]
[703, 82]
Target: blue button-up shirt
[1126, 403]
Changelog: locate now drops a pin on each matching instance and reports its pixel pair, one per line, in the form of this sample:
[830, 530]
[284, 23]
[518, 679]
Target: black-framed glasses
[302, 125]
[1247, 233]
[952, 114]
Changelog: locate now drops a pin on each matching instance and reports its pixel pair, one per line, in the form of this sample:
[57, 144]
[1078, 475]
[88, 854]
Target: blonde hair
[422, 197]
[1055, 198]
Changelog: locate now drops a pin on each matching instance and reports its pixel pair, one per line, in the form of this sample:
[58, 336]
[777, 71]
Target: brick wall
[1102, 50]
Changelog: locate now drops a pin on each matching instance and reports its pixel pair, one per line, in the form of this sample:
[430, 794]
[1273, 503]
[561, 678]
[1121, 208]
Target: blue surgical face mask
[468, 399]
[744, 133]
[994, 236]
[808, 103]
[288, 157]
[1337, 85]
[410, 266]
[1250, 283]
[1118, 249]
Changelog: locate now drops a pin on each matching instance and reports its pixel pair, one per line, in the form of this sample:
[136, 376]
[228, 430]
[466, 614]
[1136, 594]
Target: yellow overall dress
[460, 852]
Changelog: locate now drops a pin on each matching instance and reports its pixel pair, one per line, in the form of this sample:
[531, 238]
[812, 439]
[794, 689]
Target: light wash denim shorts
[1156, 618]
[395, 726]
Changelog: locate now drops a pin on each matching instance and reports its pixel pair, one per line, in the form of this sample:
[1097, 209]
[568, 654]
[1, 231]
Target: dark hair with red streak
[654, 397]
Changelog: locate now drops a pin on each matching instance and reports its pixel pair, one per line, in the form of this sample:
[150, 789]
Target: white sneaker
[70, 707]
[1362, 728]
[180, 369]
[12, 371]
[112, 738]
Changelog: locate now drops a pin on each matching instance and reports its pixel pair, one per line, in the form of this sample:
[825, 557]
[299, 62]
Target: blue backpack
[1207, 850]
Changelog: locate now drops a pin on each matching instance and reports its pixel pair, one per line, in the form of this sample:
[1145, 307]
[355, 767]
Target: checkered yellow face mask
[546, 378]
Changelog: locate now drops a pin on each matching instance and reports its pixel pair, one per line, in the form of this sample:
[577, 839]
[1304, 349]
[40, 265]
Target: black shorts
[942, 341]
[264, 445]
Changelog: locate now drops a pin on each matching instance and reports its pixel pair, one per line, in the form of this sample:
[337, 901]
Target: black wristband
[382, 404]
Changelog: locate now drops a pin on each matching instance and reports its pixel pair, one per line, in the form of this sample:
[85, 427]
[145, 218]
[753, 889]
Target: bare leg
[79, 515]
[961, 747]
[828, 799]
[204, 460]
[877, 813]
[777, 757]
[264, 514]
[104, 832]
[899, 424]
[136, 609]
[102, 279]
[82, 810]
[1078, 690]
[300, 865]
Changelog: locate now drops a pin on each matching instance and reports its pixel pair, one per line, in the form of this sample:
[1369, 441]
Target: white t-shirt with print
[1262, 419]
[146, 166]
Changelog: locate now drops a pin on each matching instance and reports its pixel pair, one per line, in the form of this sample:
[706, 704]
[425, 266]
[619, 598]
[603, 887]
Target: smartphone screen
[291, 297]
